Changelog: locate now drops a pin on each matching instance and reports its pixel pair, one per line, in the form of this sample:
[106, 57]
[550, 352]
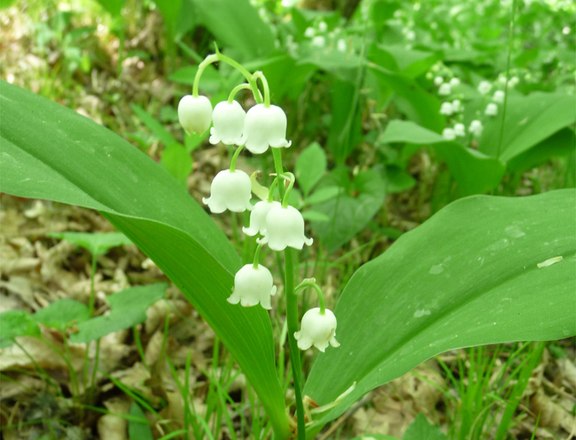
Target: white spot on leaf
[550, 262]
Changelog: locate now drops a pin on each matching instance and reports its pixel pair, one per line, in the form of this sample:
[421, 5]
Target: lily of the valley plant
[273, 222]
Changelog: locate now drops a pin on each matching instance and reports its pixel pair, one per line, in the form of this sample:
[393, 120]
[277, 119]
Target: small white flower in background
[265, 127]
[438, 80]
[448, 133]
[309, 32]
[459, 130]
[319, 41]
[341, 45]
[253, 285]
[445, 89]
[230, 190]
[566, 30]
[455, 82]
[491, 109]
[322, 27]
[258, 217]
[410, 34]
[228, 118]
[498, 96]
[484, 87]
[317, 330]
[446, 109]
[284, 228]
[513, 81]
[195, 113]
[476, 127]
[456, 105]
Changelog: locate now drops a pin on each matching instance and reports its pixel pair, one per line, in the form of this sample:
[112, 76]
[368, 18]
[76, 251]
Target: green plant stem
[311, 282]
[238, 88]
[292, 319]
[250, 79]
[277, 154]
[92, 297]
[260, 76]
[235, 158]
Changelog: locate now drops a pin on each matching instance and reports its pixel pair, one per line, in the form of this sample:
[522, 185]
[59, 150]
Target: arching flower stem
[291, 179]
[235, 158]
[258, 75]
[291, 312]
[238, 88]
[256, 260]
[311, 282]
[218, 56]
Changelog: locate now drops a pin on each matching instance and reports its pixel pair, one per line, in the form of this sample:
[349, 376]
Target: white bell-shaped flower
[195, 113]
[499, 96]
[484, 87]
[253, 285]
[476, 127]
[459, 130]
[317, 329]
[230, 190]
[445, 89]
[491, 109]
[265, 127]
[449, 134]
[446, 108]
[228, 119]
[258, 217]
[284, 228]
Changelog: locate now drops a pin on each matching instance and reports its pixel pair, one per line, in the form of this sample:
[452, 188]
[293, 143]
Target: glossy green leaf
[474, 171]
[62, 314]
[50, 152]
[14, 323]
[528, 121]
[421, 429]
[97, 243]
[310, 167]
[138, 426]
[127, 309]
[483, 270]
[237, 25]
[349, 213]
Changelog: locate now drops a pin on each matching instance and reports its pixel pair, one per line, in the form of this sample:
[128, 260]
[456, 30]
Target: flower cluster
[273, 223]
[452, 107]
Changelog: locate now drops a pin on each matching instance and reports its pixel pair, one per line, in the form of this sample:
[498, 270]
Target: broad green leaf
[127, 309]
[50, 152]
[421, 429]
[475, 172]
[483, 270]
[346, 120]
[323, 194]
[236, 24]
[310, 167]
[156, 127]
[138, 426]
[14, 323]
[113, 7]
[97, 243]
[417, 104]
[561, 143]
[350, 213]
[62, 314]
[177, 161]
[528, 120]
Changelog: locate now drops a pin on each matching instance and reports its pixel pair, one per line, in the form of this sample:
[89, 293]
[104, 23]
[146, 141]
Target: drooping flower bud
[284, 228]
[265, 127]
[476, 127]
[258, 217]
[228, 119]
[499, 96]
[491, 109]
[446, 108]
[459, 130]
[317, 329]
[253, 285]
[484, 87]
[445, 89]
[449, 134]
[229, 190]
[195, 113]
